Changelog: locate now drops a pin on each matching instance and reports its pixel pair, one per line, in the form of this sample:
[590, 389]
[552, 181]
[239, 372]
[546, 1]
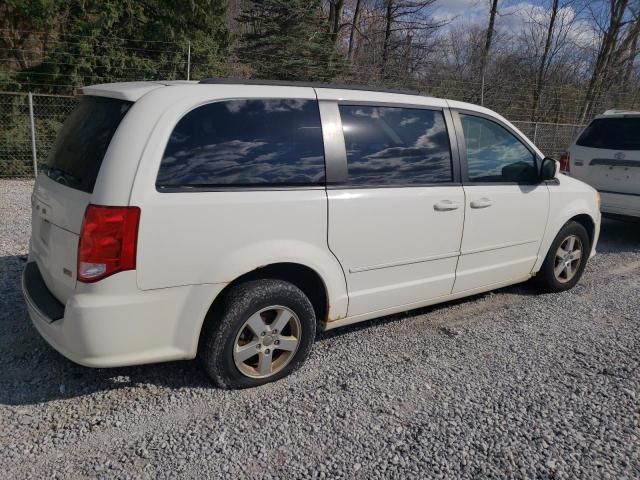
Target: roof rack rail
[291, 83]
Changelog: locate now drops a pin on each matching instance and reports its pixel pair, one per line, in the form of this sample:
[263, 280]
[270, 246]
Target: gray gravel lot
[508, 384]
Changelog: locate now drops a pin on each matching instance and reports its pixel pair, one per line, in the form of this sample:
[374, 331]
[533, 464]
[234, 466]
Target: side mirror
[549, 169]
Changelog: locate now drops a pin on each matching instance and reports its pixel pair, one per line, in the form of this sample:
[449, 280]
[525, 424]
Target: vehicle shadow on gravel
[31, 372]
[618, 237]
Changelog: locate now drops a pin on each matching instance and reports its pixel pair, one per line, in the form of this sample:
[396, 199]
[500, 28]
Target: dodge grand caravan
[230, 221]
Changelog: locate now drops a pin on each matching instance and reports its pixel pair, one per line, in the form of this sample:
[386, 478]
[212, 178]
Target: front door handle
[481, 203]
[446, 205]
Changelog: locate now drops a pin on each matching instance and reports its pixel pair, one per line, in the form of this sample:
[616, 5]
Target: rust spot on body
[339, 317]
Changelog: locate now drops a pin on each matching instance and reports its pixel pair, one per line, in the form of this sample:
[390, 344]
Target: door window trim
[462, 147]
[336, 166]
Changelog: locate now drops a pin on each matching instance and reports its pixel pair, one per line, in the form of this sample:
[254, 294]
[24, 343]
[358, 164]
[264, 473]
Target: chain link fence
[552, 138]
[15, 139]
[50, 111]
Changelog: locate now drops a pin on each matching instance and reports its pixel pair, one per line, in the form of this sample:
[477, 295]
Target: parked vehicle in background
[231, 221]
[606, 155]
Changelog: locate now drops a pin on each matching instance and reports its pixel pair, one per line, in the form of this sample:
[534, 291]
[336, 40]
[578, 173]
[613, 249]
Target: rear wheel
[262, 331]
[566, 259]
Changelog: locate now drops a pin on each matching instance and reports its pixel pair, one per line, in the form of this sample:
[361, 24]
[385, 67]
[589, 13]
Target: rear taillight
[108, 241]
[565, 165]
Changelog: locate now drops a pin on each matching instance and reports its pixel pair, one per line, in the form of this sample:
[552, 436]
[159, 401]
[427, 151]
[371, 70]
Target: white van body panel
[589, 165]
[266, 227]
[113, 323]
[627, 205]
[377, 251]
[130, 91]
[618, 185]
[426, 243]
[501, 242]
[394, 246]
[56, 217]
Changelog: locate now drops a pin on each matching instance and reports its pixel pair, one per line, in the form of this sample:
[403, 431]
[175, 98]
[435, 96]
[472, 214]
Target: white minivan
[606, 155]
[231, 221]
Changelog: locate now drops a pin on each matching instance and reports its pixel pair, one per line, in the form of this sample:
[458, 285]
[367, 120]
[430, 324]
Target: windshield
[76, 155]
[612, 134]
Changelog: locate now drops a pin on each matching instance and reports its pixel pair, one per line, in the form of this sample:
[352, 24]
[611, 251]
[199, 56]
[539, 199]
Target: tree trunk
[407, 54]
[543, 61]
[332, 14]
[354, 24]
[387, 33]
[337, 17]
[488, 40]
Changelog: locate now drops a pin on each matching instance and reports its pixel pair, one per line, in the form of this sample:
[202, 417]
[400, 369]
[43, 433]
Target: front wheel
[566, 260]
[262, 331]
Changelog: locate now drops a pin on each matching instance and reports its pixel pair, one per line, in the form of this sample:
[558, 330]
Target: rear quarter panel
[197, 237]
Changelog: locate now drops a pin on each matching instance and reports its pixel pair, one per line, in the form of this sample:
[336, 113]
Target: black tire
[226, 322]
[546, 279]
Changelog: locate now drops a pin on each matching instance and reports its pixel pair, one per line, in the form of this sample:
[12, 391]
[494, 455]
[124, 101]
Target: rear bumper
[622, 204]
[118, 328]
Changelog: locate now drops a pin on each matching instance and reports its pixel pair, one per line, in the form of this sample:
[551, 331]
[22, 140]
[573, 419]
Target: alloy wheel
[568, 259]
[267, 342]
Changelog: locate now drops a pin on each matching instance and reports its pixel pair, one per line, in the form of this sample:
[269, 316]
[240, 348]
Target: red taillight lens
[565, 165]
[108, 241]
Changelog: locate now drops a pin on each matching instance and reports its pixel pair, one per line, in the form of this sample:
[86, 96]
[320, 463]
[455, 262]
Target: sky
[513, 14]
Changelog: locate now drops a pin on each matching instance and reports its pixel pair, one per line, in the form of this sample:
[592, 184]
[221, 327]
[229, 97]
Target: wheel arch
[307, 279]
[588, 223]
[581, 217]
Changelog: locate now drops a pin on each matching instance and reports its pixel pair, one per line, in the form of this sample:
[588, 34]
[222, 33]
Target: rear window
[245, 143]
[76, 155]
[612, 134]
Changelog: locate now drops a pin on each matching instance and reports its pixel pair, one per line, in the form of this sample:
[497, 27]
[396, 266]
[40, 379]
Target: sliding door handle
[481, 203]
[446, 205]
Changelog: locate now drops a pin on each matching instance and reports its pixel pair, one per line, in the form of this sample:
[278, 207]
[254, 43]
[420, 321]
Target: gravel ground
[508, 384]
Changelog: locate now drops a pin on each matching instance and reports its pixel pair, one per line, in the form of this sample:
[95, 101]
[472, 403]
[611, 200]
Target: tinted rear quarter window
[395, 146]
[612, 134]
[246, 143]
[77, 154]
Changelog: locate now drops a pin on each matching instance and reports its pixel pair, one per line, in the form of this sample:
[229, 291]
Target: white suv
[231, 221]
[606, 155]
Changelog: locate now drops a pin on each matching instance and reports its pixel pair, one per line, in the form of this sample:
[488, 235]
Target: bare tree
[629, 49]
[606, 53]
[402, 18]
[542, 68]
[487, 44]
[388, 21]
[354, 27]
[550, 38]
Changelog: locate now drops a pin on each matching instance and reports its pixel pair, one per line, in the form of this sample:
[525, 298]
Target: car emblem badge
[619, 156]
